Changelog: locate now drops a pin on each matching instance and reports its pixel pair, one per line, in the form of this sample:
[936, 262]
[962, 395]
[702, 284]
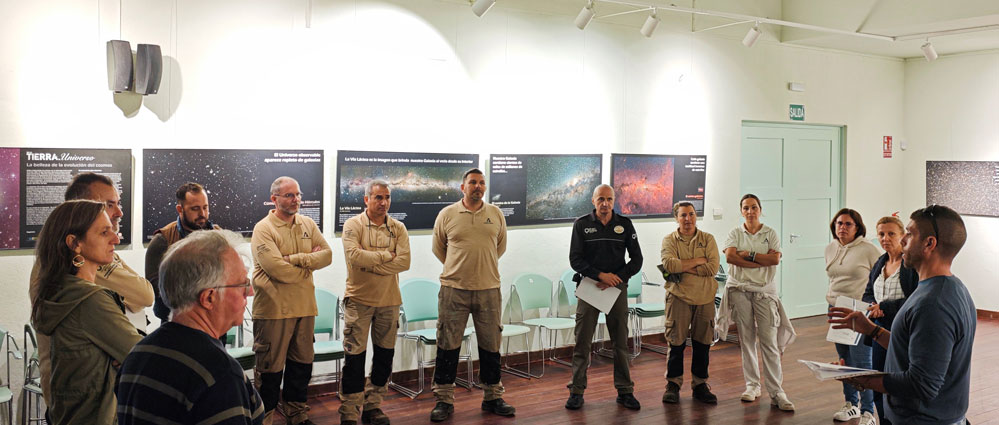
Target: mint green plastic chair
[244, 355]
[6, 395]
[641, 310]
[327, 323]
[31, 392]
[419, 304]
[534, 292]
[634, 293]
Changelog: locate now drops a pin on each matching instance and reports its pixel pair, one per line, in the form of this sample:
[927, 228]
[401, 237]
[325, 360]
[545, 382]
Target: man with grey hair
[181, 373]
[287, 248]
[376, 249]
[600, 240]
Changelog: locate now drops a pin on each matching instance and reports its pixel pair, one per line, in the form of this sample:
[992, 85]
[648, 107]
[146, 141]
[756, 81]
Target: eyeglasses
[243, 285]
[292, 195]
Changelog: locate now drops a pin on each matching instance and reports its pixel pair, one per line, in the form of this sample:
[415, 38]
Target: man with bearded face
[469, 238]
[288, 248]
[192, 214]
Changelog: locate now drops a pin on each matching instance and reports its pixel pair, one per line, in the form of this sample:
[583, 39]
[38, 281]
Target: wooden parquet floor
[541, 401]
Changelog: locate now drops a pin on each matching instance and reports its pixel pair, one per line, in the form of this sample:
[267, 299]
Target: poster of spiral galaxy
[421, 183]
[969, 187]
[647, 186]
[34, 182]
[539, 189]
[238, 183]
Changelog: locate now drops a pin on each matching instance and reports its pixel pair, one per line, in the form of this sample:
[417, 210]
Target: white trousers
[757, 317]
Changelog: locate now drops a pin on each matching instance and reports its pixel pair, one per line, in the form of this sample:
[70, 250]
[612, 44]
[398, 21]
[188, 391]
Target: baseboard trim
[988, 314]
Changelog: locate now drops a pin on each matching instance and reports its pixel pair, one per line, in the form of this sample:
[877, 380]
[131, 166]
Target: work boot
[574, 402]
[499, 407]
[441, 412]
[702, 393]
[375, 417]
[629, 401]
[672, 394]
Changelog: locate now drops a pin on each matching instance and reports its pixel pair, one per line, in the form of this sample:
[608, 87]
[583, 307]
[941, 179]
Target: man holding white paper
[690, 303]
[928, 368]
[597, 251]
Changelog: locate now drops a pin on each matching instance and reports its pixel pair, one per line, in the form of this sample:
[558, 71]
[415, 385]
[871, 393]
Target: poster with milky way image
[238, 183]
[538, 189]
[647, 186]
[10, 198]
[422, 183]
[34, 183]
[969, 187]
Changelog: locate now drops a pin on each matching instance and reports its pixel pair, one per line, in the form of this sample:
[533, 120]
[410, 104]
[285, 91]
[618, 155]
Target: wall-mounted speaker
[119, 66]
[148, 69]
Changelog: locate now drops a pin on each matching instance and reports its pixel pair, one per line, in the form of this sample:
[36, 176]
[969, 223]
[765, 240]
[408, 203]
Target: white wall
[950, 115]
[427, 75]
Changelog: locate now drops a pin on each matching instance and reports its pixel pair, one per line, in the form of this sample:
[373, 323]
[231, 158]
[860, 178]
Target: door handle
[794, 236]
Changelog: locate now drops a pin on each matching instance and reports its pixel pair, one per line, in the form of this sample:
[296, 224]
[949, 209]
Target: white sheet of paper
[602, 300]
[827, 371]
[846, 336]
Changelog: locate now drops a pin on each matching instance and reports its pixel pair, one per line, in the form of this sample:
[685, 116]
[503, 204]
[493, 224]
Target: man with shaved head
[597, 251]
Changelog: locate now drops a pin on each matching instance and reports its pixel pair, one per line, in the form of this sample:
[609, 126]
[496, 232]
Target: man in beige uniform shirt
[690, 303]
[135, 290]
[287, 247]
[469, 237]
[376, 249]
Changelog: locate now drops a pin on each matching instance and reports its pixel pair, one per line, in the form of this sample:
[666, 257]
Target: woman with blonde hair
[88, 333]
[889, 285]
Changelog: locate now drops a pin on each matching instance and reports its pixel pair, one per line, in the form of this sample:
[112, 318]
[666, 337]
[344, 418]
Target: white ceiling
[904, 19]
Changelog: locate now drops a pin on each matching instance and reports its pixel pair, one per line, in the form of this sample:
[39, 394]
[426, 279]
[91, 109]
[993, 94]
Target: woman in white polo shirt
[751, 301]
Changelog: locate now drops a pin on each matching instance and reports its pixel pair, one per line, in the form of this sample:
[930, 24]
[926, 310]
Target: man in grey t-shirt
[928, 368]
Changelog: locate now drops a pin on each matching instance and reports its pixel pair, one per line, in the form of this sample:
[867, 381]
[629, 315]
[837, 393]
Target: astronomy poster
[647, 186]
[238, 183]
[422, 183]
[537, 189]
[34, 183]
[969, 187]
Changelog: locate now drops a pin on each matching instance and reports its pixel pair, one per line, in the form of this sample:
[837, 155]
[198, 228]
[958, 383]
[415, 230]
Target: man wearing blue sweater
[928, 369]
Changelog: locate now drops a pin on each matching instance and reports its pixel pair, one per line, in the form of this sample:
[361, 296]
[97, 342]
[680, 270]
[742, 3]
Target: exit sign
[796, 112]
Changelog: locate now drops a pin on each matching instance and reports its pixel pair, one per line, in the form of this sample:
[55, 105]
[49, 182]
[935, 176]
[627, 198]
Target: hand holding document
[846, 336]
[602, 299]
[827, 371]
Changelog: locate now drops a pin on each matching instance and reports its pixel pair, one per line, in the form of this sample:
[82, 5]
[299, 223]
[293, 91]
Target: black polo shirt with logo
[597, 248]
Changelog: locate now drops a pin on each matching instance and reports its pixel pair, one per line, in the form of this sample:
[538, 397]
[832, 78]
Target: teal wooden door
[796, 172]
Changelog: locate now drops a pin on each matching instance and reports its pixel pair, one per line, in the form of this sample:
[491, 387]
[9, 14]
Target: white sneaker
[751, 393]
[867, 419]
[781, 402]
[847, 412]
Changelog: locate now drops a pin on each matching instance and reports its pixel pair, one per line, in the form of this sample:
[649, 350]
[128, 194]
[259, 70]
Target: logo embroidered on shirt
[305, 235]
[589, 230]
[619, 229]
[488, 221]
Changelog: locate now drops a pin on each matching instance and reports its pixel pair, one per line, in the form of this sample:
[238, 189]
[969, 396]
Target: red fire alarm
[886, 146]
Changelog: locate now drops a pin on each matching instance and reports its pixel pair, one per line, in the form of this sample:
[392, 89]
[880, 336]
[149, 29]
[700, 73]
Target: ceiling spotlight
[480, 7]
[585, 16]
[650, 25]
[929, 52]
[752, 36]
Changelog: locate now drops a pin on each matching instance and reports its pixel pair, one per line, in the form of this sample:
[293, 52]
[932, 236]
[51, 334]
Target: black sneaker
[441, 412]
[306, 422]
[672, 394]
[375, 417]
[499, 407]
[629, 401]
[702, 393]
[348, 422]
[574, 402]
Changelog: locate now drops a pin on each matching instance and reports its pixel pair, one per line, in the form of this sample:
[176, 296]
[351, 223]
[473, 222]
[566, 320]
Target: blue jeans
[857, 356]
